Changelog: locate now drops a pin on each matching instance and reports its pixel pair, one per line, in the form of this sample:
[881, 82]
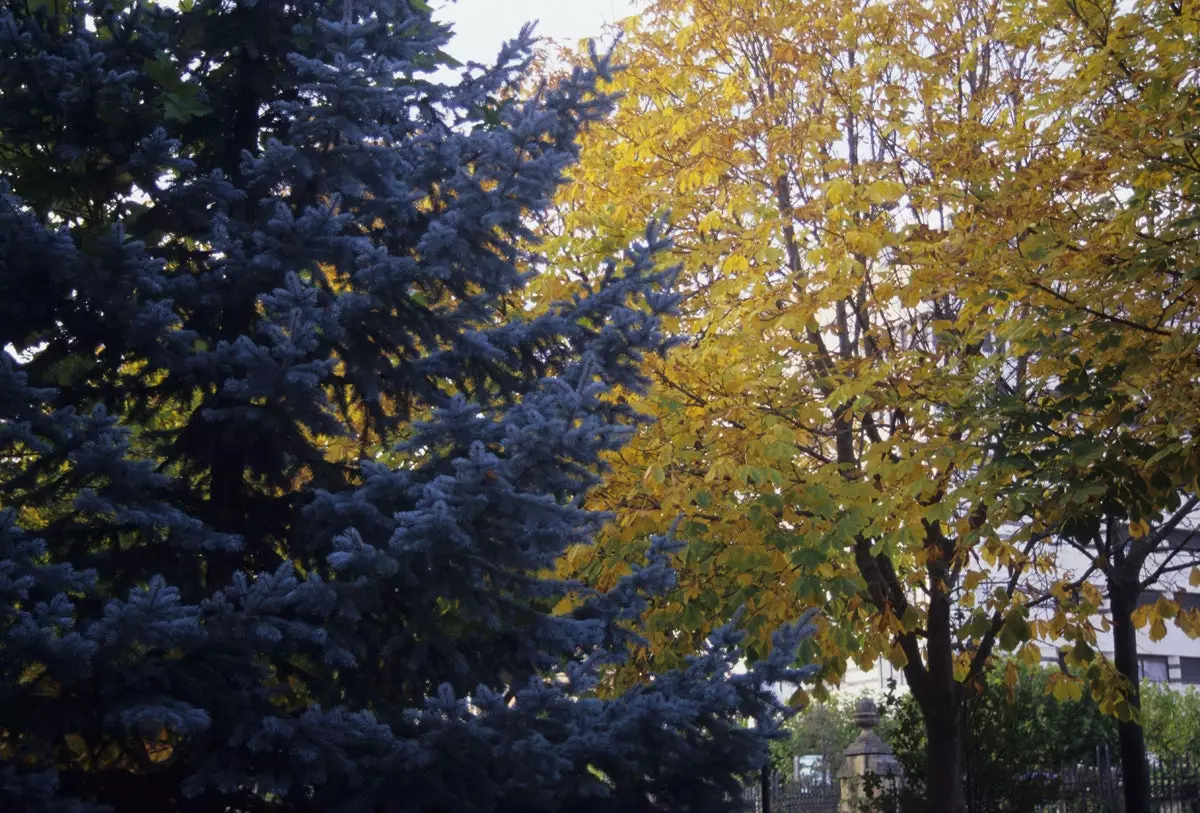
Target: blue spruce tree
[283, 460]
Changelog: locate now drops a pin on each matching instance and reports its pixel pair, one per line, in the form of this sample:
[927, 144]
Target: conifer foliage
[284, 460]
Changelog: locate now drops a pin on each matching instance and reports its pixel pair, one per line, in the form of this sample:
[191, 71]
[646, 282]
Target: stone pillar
[868, 755]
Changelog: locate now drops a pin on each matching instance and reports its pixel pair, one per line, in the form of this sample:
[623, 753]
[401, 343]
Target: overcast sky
[481, 26]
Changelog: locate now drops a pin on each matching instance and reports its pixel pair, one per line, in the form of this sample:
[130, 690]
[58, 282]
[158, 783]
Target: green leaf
[976, 627]
[799, 699]
[184, 107]
[1123, 711]
[164, 74]
[1037, 246]
[1014, 632]
[71, 369]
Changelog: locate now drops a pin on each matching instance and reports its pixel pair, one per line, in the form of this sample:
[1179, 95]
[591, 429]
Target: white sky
[481, 26]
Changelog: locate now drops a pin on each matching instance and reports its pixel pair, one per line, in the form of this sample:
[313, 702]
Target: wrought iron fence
[1174, 788]
[818, 794]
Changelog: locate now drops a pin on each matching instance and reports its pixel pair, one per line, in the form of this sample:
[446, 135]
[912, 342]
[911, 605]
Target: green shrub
[1015, 740]
[1171, 720]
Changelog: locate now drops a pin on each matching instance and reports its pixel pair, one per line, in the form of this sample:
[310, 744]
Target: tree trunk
[941, 696]
[1136, 774]
[943, 730]
[226, 511]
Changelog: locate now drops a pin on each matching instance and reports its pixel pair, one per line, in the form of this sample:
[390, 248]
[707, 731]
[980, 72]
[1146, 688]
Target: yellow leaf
[709, 222]
[1194, 579]
[1065, 688]
[1058, 688]
[735, 263]
[884, 191]
[962, 666]
[863, 242]
[76, 743]
[838, 191]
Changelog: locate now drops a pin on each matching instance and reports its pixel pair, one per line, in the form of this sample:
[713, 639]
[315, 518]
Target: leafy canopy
[941, 323]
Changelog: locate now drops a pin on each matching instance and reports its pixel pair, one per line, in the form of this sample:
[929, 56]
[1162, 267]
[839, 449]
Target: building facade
[1173, 660]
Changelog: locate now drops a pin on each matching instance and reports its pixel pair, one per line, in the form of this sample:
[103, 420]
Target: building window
[1190, 667]
[1187, 601]
[1153, 668]
[1184, 538]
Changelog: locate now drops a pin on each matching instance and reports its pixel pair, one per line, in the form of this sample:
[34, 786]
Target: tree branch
[1100, 314]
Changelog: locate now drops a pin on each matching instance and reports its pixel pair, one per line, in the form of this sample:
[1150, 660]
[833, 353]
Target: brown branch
[886, 593]
[1141, 548]
[1100, 314]
[988, 642]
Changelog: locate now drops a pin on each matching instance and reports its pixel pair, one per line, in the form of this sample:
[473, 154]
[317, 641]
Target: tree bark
[937, 693]
[941, 709]
[1123, 599]
[941, 700]
[943, 729]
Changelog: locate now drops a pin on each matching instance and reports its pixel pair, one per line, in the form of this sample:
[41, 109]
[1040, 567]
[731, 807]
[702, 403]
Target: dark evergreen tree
[283, 459]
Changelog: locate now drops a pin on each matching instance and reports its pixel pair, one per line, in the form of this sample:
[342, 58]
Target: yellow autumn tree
[823, 161]
[878, 324]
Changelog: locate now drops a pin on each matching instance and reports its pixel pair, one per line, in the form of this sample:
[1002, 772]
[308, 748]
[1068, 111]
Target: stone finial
[868, 743]
[867, 756]
[866, 713]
